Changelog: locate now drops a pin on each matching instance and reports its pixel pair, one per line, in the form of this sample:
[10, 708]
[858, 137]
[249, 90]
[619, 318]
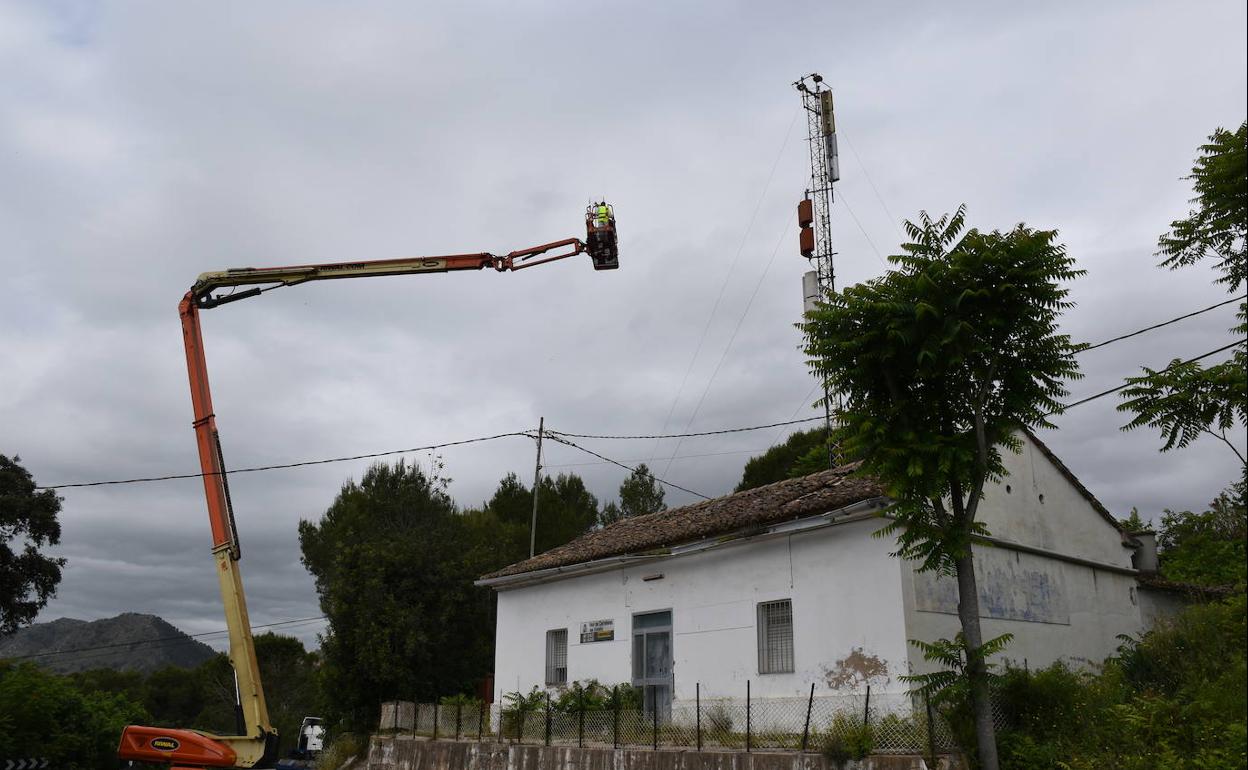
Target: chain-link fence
[893, 723]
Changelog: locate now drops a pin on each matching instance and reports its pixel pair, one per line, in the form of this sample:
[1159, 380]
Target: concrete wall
[845, 589]
[405, 754]
[1056, 609]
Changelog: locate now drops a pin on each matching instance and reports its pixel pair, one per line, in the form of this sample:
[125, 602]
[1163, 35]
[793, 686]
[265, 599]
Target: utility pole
[537, 483]
[814, 215]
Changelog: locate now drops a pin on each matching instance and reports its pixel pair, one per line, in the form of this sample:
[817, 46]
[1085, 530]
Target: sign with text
[597, 631]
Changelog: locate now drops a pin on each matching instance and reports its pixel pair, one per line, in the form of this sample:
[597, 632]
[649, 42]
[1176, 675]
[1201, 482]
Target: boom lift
[255, 745]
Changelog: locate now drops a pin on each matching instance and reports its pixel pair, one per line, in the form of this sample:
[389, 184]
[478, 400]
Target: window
[557, 656]
[775, 637]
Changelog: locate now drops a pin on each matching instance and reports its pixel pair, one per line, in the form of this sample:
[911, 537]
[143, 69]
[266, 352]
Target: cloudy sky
[142, 143]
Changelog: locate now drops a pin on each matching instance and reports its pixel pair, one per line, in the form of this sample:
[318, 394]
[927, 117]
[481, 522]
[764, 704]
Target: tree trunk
[977, 670]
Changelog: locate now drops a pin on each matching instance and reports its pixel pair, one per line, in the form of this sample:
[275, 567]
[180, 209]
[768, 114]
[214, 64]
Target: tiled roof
[784, 500]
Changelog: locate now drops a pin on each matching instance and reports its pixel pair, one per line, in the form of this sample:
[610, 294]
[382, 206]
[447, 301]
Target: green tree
[1186, 400]
[640, 494]
[391, 561]
[940, 363]
[45, 715]
[565, 510]
[1206, 548]
[28, 523]
[782, 461]
[610, 514]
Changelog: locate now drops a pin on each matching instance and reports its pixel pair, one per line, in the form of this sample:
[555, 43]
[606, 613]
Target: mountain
[128, 642]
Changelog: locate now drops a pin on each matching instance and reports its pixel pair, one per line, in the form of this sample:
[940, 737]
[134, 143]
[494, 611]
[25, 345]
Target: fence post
[580, 718]
[415, 716]
[459, 718]
[615, 716]
[435, 721]
[548, 717]
[748, 732]
[654, 710]
[520, 727]
[480, 720]
[697, 690]
[866, 709]
[810, 704]
[931, 735]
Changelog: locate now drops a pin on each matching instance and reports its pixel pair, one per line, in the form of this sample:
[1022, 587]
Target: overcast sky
[143, 143]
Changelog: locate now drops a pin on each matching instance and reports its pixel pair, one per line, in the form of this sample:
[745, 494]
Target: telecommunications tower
[814, 212]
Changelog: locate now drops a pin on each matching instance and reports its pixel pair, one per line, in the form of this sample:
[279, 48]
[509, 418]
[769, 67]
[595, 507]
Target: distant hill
[128, 642]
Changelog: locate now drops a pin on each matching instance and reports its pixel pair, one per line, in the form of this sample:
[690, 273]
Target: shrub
[847, 738]
[344, 747]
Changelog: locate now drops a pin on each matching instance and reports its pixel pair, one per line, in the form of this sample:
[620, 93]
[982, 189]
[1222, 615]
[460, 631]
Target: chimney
[1144, 558]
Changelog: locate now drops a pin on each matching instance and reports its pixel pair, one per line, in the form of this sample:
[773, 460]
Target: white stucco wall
[1056, 609]
[1036, 505]
[846, 593]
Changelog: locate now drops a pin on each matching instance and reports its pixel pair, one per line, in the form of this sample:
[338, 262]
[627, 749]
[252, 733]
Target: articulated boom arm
[256, 741]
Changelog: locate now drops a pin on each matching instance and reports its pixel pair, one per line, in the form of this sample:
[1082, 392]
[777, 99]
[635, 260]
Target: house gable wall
[1043, 509]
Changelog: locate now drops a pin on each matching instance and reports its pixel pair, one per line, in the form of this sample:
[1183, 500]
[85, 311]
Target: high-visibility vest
[604, 215]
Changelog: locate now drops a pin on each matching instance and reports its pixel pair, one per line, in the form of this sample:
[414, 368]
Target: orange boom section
[167, 745]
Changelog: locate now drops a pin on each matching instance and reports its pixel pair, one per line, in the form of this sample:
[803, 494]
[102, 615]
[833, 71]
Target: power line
[284, 465]
[1111, 391]
[680, 457]
[1163, 323]
[159, 639]
[684, 435]
[625, 467]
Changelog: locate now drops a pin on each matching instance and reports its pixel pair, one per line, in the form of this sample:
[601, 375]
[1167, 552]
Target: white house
[785, 586]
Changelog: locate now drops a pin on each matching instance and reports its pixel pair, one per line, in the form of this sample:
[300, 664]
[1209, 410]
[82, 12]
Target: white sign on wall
[597, 631]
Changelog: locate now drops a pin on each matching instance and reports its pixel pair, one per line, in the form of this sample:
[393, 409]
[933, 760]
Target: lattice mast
[814, 213]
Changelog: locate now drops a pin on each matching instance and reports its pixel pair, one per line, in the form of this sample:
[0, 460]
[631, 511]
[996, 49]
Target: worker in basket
[602, 215]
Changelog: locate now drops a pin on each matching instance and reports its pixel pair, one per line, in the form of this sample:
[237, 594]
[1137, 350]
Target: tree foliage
[28, 523]
[1206, 548]
[1173, 700]
[939, 363]
[640, 494]
[1187, 400]
[405, 621]
[784, 461]
[45, 715]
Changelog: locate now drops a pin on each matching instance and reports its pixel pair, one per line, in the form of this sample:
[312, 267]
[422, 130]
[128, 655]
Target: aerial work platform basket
[600, 236]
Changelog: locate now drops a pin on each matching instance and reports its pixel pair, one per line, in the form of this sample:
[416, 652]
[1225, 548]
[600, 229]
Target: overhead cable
[285, 465]
[1125, 385]
[1163, 323]
[683, 435]
[562, 440]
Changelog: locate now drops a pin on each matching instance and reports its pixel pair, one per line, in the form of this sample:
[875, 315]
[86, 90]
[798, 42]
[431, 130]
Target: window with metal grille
[557, 656]
[775, 637]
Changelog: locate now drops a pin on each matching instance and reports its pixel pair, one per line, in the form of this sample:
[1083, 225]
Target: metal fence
[898, 724]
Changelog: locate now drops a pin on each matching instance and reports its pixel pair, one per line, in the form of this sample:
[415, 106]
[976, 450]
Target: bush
[344, 747]
[45, 715]
[847, 738]
[1173, 700]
